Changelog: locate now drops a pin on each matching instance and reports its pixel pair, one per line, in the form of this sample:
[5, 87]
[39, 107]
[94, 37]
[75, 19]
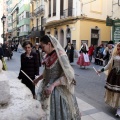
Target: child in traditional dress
[83, 59]
[112, 93]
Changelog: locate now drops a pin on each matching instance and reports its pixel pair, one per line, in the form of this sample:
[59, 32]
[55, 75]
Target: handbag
[4, 64]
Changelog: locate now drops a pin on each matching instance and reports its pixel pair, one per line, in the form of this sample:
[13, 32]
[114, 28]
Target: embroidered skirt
[112, 94]
[81, 61]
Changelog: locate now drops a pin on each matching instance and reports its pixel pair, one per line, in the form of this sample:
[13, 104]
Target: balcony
[38, 28]
[40, 10]
[67, 13]
[31, 1]
[37, 32]
[31, 15]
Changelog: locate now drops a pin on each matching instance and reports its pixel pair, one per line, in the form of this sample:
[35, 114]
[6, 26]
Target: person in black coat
[36, 49]
[30, 65]
[1, 52]
[70, 52]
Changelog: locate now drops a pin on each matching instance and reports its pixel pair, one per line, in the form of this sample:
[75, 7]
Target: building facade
[77, 22]
[1, 25]
[37, 12]
[10, 5]
[74, 21]
[23, 20]
[115, 17]
[5, 13]
[15, 21]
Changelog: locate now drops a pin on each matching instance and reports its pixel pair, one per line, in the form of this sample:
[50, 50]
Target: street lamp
[3, 21]
[18, 31]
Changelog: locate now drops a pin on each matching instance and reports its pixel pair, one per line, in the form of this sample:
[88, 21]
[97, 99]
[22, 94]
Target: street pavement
[89, 90]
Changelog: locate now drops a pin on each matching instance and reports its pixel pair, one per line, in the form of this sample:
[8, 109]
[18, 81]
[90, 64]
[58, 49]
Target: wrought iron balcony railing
[37, 28]
[67, 13]
[32, 1]
[34, 29]
[40, 10]
[31, 15]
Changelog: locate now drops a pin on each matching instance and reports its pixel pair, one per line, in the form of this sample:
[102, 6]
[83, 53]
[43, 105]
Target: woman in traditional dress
[112, 93]
[57, 88]
[83, 59]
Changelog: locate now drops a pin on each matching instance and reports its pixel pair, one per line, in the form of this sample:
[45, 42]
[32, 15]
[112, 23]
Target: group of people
[57, 87]
[110, 55]
[101, 54]
[112, 87]
[5, 50]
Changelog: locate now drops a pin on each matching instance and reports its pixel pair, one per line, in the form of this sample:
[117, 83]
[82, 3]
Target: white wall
[76, 6]
[116, 10]
[1, 26]
[98, 9]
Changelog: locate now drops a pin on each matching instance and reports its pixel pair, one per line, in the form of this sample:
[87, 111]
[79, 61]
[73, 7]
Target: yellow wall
[81, 30]
[75, 33]
[85, 31]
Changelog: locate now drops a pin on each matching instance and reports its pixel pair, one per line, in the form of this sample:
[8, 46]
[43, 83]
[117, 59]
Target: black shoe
[117, 115]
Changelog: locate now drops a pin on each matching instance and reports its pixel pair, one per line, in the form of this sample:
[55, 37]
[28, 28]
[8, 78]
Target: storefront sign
[117, 34]
[116, 31]
[109, 21]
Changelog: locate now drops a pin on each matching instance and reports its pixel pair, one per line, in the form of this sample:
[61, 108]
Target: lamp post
[3, 21]
[18, 31]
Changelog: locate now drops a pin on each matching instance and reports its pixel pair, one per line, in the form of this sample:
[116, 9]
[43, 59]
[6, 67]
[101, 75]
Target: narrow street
[89, 88]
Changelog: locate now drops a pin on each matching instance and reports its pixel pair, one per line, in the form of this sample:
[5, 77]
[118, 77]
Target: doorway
[94, 36]
[62, 38]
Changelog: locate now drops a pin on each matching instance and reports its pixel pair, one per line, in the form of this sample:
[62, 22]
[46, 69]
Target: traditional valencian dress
[83, 59]
[112, 94]
[61, 104]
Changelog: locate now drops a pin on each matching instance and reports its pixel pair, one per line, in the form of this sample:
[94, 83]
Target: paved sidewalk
[88, 111]
[91, 113]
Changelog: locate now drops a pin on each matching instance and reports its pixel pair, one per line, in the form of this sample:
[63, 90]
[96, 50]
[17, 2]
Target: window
[61, 7]
[74, 43]
[54, 7]
[49, 8]
[27, 14]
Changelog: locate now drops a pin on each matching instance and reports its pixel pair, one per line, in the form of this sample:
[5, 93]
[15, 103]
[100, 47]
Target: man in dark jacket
[30, 65]
[1, 52]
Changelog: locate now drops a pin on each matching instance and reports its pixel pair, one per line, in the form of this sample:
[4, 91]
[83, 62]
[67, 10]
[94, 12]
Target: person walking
[70, 52]
[1, 52]
[57, 87]
[8, 51]
[83, 59]
[30, 65]
[37, 50]
[90, 52]
[100, 54]
[112, 92]
[107, 53]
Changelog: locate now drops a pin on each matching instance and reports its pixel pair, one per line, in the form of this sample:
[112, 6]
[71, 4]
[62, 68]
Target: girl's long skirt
[112, 93]
[81, 61]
